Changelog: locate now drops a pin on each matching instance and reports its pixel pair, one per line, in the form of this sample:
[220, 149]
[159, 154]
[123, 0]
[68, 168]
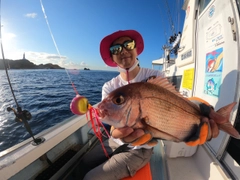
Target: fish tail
[226, 110]
[228, 128]
[221, 117]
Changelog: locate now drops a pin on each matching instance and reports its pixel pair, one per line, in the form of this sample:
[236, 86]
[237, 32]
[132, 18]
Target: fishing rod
[20, 115]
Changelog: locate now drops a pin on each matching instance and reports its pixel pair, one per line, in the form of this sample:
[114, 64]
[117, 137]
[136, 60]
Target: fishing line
[79, 105]
[55, 44]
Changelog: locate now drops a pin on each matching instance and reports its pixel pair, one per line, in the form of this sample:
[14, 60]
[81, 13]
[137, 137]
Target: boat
[206, 66]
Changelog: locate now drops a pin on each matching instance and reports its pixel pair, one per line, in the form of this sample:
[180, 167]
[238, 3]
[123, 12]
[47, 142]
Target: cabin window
[176, 81]
[238, 6]
[203, 5]
[233, 147]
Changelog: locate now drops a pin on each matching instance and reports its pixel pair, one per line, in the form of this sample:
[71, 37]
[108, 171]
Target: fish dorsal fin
[163, 82]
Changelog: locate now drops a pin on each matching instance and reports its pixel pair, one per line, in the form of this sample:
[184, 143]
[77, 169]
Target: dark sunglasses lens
[115, 49]
[130, 45]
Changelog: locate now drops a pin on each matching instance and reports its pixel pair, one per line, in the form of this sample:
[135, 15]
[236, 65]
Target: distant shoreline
[26, 64]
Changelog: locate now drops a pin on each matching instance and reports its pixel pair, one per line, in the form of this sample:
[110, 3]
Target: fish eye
[118, 100]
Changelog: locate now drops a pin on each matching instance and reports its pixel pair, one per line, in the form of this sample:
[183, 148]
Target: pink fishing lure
[80, 106]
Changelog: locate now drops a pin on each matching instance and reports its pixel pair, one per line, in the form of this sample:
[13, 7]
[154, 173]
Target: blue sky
[78, 26]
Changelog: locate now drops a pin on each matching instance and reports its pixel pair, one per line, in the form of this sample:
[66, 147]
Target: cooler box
[174, 150]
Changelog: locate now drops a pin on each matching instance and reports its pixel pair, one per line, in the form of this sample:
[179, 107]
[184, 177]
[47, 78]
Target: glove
[208, 129]
[134, 137]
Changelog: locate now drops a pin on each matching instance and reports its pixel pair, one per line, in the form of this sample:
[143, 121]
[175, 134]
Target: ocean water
[47, 95]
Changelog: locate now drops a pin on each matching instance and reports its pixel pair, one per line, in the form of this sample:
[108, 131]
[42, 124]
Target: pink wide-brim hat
[108, 40]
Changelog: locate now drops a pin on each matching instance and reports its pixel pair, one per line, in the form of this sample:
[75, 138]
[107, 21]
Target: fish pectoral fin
[142, 140]
[201, 135]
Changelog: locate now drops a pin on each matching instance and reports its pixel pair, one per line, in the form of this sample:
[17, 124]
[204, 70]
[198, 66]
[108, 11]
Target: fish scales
[168, 117]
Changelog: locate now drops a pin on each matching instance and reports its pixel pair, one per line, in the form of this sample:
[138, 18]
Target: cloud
[74, 65]
[83, 63]
[41, 58]
[9, 36]
[8, 41]
[31, 15]
[44, 58]
[71, 65]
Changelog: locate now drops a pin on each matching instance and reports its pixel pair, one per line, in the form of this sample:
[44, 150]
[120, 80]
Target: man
[120, 49]
[128, 65]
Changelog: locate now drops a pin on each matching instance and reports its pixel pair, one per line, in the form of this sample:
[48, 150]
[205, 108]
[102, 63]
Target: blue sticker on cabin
[211, 11]
[213, 72]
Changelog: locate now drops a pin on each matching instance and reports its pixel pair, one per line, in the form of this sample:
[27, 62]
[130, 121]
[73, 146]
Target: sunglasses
[117, 48]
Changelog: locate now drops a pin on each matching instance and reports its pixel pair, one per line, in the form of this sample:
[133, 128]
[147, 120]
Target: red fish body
[159, 109]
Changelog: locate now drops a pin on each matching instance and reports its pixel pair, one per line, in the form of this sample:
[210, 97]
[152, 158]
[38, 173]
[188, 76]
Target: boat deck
[201, 165]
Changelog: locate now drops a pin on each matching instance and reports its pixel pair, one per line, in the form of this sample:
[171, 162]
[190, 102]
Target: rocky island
[26, 64]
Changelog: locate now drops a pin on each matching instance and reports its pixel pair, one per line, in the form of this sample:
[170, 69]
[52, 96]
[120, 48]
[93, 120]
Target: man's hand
[130, 135]
[214, 128]
[127, 134]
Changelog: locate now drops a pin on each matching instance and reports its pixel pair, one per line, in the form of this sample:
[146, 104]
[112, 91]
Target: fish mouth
[101, 114]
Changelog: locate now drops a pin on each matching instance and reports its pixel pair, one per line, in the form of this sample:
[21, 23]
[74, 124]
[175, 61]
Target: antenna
[169, 17]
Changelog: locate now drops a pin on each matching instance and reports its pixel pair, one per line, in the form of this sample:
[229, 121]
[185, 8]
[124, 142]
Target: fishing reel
[20, 114]
[24, 116]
